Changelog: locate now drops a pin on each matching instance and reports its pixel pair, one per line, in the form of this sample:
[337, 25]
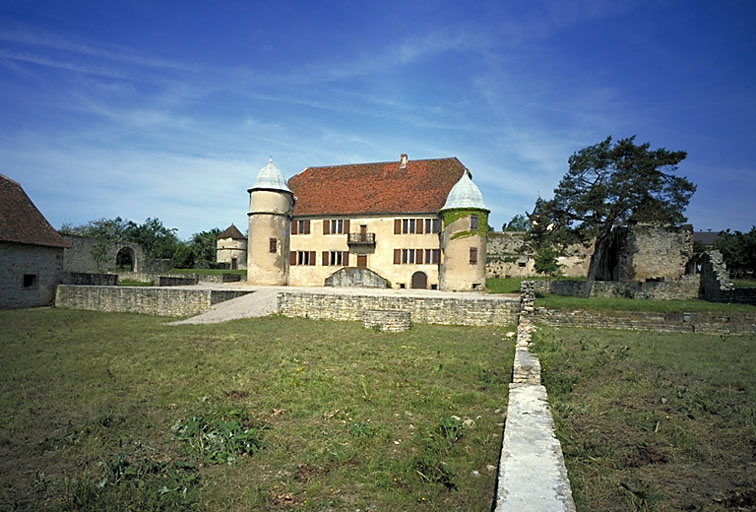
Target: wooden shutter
[345, 258]
[346, 226]
[292, 257]
[473, 255]
[312, 257]
[306, 230]
[418, 256]
[294, 225]
[397, 226]
[273, 245]
[420, 223]
[326, 227]
[325, 261]
[397, 256]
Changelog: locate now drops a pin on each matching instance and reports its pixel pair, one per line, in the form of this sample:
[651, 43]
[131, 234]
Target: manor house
[400, 224]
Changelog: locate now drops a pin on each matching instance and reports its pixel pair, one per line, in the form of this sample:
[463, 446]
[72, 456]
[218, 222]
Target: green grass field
[654, 421]
[109, 411]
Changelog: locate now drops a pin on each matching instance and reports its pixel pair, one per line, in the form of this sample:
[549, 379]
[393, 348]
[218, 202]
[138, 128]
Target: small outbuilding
[31, 251]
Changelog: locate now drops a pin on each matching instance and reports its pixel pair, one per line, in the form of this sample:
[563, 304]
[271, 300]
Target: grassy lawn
[134, 282]
[744, 283]
[208, 271]
[113, 411]
[652, 421]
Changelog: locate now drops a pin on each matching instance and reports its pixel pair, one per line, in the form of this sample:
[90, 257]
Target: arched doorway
[125, 259]
[419, 280]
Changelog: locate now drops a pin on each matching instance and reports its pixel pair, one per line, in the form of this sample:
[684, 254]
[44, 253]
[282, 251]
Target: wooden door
[419, 280]
[362, 260]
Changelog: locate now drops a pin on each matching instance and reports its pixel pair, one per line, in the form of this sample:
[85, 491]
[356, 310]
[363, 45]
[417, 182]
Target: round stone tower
[463, 238]
[270, 206]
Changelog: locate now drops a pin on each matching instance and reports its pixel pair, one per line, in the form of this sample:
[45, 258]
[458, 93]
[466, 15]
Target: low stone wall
[177, 280]
[686, 288]
[707, 323]
[423, 310]
[391, 321]
[155, 277]
[83, 278]
[146, 300]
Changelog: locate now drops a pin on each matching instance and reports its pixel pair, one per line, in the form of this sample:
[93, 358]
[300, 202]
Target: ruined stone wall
[43, 265]
[508, 255]
[687, 287]
[145, 300]
[707, 323]
[646, 252]
[423, 310]
[79, 256]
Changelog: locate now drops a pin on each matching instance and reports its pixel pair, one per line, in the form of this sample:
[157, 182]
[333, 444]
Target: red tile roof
[20, 221]
[375, 188]
[232, 232]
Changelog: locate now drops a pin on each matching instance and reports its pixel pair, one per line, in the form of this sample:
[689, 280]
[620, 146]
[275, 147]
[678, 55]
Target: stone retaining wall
[391, 321]
[146, 300]
[423, 310]
[707, 323]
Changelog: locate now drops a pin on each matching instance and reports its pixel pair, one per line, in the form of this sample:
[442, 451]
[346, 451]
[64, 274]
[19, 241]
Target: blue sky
[137, 110]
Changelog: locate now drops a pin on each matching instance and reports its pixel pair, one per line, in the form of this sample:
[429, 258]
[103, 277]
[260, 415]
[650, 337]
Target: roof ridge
[380, 163]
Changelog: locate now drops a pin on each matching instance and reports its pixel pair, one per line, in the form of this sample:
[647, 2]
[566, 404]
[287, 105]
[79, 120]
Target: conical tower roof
[465, 194]
[270, 178]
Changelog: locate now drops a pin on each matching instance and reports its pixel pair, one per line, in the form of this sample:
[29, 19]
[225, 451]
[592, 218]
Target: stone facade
[28, 274]
[476, 310]
[145, 300]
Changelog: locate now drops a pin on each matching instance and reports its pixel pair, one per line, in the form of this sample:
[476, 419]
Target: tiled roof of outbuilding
[21, 221]
[232, 232]
[419, 186]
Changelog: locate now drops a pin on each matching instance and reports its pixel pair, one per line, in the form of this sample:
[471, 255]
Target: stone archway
[126, 259]
[420, 280]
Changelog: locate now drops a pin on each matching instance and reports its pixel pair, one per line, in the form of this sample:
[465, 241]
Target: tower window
[273, 245]
[473, 222]
[473, 255]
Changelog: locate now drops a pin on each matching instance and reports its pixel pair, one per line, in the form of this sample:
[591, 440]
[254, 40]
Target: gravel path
[260, 302]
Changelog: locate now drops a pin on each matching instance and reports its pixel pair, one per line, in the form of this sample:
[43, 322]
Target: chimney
[403, 161]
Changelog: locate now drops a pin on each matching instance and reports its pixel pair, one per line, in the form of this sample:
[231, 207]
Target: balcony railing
[361, 239]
